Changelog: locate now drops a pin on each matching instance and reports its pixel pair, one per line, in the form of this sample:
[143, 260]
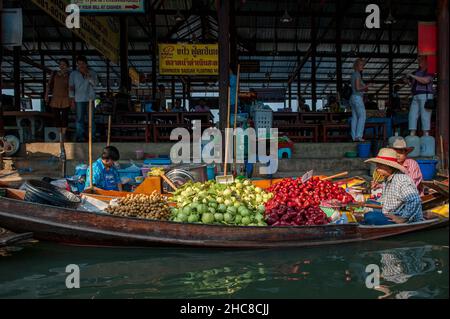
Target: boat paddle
[108, 143]
[238, 76]
[62, 154]
[335, 176]
[226, 179]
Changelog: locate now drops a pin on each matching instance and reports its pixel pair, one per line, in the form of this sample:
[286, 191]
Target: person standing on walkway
[82, 83]
[357, 102]
[422, 90]
[58, 88]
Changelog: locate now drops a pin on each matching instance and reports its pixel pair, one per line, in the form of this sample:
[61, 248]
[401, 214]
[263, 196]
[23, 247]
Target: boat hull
[83, 228]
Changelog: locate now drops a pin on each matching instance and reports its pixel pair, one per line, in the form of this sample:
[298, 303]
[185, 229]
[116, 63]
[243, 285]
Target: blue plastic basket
[364, 150]
[158, 161]
[428, 168]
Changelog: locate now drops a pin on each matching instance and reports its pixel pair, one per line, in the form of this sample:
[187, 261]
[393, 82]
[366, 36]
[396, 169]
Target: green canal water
[411, 266]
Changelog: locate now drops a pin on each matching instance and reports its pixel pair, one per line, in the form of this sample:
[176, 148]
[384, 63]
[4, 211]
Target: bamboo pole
[238, 75]
[225, 170]
[443, 163]
[90, 147]
[109, 130]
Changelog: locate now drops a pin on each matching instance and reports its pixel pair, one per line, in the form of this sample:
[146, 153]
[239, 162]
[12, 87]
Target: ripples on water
[413, 266]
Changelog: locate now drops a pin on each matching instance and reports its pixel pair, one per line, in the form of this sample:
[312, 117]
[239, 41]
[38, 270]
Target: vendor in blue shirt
[106, 175]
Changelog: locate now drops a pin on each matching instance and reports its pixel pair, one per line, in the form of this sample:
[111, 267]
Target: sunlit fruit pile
[297, 204]
[239, 203]
[152, 206]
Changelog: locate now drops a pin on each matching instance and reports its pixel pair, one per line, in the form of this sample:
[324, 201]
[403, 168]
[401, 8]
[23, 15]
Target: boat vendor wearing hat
[401, 200]
[106, 175]
[412, 168]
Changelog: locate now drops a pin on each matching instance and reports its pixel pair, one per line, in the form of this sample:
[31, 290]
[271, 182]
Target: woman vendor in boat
[411, 166]
[105, 174]
[401, 200]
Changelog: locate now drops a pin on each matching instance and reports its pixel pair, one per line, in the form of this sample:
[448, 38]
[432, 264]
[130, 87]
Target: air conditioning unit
[52, 134]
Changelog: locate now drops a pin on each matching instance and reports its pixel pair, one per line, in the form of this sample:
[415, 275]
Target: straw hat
[400, 144]
[387, 156]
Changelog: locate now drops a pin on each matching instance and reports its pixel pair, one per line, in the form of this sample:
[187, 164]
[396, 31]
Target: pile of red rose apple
[297, 204]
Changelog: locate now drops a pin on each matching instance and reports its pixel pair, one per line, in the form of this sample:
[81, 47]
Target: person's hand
[72, 105]
[396, 219]
[374, 185]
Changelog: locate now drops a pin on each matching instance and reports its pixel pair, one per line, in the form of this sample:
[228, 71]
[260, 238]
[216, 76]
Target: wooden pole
[227, 143]
[124, 71]
[313, 64]
[338, 47]
[238, 78]
[90, 147]
[223, 16]
[16, 71]
[109, 130]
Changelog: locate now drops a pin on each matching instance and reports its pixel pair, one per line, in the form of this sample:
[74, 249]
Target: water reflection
[413, 267]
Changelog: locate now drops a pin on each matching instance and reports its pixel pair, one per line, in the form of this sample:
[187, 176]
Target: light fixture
[390, 19]
[286, 18]
[179, 17]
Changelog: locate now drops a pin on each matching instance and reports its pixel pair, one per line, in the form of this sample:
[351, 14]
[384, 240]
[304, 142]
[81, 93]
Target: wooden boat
[70, 226]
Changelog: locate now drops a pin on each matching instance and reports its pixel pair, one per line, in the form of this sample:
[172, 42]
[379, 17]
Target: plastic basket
[428, 169]
[158, 161]
[263, 119]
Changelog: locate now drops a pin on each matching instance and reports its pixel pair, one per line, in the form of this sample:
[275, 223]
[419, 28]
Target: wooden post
[184, 96]
[173, 92]
[236, 104]
[223, 8]
[154, 50]
[338, 47]
[17, 89]
[443, 72]
[391, 63]
[90, 146]
[74, 52]
[313, 64]
[108, 76]
[124, 72]
[299, 86]
[109, 130]
[290, 95]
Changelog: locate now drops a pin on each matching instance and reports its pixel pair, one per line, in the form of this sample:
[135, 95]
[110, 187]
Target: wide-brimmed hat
[387, 156]
[400, 144]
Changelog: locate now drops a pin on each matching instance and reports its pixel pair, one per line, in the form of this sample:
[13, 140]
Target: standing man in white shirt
[82, 83]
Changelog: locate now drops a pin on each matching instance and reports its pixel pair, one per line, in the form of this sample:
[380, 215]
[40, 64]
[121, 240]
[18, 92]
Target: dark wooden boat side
[84, 228]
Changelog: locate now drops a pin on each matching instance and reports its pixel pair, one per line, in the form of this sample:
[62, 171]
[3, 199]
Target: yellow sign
[103, 33]
[189, 59]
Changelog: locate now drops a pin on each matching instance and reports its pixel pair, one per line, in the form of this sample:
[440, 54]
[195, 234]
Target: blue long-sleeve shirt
[103, 178]
[82, 88]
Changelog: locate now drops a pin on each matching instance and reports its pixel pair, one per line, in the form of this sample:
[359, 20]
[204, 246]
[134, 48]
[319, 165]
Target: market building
[226, 124]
